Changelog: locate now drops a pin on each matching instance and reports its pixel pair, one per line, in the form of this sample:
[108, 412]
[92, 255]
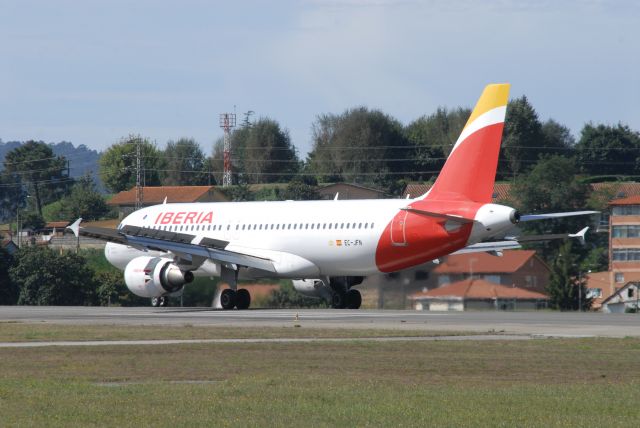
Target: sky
[92, 72]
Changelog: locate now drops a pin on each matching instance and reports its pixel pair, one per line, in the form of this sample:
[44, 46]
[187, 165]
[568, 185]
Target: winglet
[75, 227]
[336, 197]
[580, 235]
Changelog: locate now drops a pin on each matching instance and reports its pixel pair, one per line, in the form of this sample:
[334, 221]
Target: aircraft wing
[512, 243]
[184, 245]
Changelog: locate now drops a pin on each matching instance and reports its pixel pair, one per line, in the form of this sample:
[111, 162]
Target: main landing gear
[233, 297]
[161, 301]
[240, 299]
[342, 295]
[352, 299]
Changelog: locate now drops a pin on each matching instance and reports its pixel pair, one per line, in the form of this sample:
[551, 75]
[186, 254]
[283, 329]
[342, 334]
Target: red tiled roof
[618, 189]
[510, 262]
[478, 289]
[631, 200]
[56, 224]
[500, 190]
[416, 189]
[156, 195]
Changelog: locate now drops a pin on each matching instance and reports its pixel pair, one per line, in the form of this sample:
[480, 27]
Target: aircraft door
[398, 229]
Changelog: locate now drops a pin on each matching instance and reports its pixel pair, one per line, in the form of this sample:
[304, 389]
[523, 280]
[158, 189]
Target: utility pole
[227, 122]
[139, 186]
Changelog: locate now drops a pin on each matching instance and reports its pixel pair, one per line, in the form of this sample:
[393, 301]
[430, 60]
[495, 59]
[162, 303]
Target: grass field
[547, 382]
[28, 332]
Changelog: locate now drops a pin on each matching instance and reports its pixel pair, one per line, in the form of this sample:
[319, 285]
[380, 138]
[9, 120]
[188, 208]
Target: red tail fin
[470, 170]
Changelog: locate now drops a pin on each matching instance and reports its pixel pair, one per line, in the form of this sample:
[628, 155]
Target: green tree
[523, 137]
[608, 150]
[8, 289]
[239, 193]
[118, 164]
[287, 297]
[31, 219]
[567, 281]
[113, 291]
[263, 153]
[301, 189]
[12, 195]
[557, 138]
[45, 277]
[34, 166]
[434, 136]
[186, 164]
[360, 145]
[552, 185]
[83, 201]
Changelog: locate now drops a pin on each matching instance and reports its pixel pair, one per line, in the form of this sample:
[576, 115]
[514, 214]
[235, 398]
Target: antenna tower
[227, 121]
[139, 187]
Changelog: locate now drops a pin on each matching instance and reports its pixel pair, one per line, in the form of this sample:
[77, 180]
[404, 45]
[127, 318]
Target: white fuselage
[304, 239]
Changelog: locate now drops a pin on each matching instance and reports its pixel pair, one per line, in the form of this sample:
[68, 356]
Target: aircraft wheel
[163, 302]
[155, 302]
[227, 298]
[338, 300]
[243, 298]
[354, 299]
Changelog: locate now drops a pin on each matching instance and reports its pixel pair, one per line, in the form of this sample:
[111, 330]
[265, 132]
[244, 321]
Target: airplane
[326, 247]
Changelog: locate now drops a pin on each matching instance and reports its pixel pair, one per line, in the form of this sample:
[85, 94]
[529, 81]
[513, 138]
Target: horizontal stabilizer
[490, 247]
[533, 217]
[550, 237]
[451, 217]
[75, 227]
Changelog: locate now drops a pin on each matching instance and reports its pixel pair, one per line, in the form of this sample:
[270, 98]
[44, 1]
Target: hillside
[82, 160]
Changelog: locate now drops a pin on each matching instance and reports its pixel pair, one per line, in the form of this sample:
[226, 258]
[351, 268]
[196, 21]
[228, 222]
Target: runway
[541, 323]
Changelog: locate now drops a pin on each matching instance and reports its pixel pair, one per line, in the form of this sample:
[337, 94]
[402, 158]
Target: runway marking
[484, 337]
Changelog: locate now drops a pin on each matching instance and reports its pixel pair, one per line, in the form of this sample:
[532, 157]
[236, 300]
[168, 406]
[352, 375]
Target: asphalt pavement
[541, 323]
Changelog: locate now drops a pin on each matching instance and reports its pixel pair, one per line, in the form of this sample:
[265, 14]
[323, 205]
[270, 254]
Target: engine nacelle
[154, 276]
[312, 288]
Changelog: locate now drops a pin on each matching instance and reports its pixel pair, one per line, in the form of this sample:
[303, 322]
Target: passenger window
[306, 226]
[312, 225]
[359, 225]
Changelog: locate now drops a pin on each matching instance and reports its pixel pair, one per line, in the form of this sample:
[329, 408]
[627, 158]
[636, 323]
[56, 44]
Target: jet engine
[154, 276]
